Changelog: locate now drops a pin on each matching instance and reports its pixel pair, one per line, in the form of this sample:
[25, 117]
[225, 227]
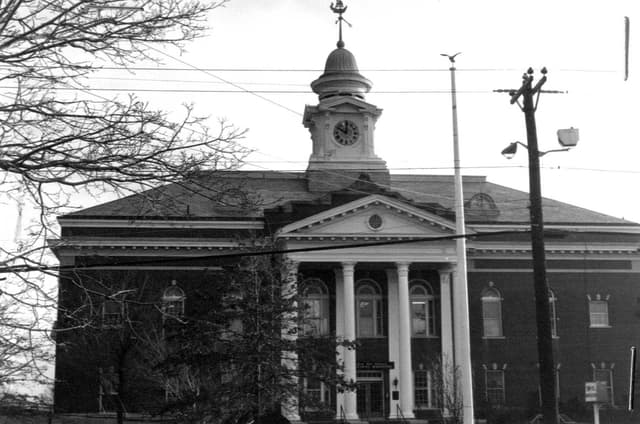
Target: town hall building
[376, 255]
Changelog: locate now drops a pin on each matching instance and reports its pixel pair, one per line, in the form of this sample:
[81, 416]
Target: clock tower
[342, 125]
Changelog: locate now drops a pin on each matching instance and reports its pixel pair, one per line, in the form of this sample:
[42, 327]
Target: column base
[355, 420]
[406, 416]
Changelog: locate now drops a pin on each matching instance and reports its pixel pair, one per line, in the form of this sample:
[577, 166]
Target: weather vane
[340, 8]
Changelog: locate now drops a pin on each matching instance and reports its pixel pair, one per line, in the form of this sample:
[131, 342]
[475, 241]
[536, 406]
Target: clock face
[346, 132]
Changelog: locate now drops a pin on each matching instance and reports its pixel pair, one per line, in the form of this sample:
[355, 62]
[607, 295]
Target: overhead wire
[273, 102]
[258, 252]
[256, 92]
[241, 89]
[190, 68]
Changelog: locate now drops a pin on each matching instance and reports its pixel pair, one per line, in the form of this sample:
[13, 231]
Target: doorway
[370, 394]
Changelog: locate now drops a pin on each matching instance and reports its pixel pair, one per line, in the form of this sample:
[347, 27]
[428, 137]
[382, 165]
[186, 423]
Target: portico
[391, 299]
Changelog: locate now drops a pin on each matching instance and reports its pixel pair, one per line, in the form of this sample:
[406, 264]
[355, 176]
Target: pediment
[340, 104]
[347, 104]
[371, 217]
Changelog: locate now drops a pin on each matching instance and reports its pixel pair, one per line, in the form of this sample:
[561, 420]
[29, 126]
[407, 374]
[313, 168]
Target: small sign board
[376, 365]
[596, 391]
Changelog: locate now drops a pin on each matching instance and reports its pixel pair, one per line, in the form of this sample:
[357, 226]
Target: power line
[255, 92]
[273, 102]
[262, 252]
[293, 70]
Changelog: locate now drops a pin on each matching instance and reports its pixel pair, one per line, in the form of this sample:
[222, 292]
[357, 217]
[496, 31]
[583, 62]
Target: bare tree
[55, 145]
[231, 360]
[446, 383]
[216, 352]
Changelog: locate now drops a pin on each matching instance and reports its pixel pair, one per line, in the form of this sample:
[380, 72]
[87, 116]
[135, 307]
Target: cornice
[187, 224]
[142, 244]
[632, 228]
[492, 249]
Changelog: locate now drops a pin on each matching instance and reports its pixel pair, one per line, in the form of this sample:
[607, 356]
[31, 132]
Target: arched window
[316, 308]
[370, 316]
[423, 309]
[491, 313]
[173, 301]
[553, 313]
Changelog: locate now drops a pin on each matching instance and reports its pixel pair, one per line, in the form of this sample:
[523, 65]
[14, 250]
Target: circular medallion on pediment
[375, 222]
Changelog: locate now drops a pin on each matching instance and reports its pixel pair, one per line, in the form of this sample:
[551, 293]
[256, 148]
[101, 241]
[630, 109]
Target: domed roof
[341, 60]
[341, 76]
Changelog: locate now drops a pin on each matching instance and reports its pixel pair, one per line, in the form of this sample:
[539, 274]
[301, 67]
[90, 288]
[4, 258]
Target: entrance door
[370, 394]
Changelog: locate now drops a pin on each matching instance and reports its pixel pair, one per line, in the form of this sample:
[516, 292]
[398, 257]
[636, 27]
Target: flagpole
[462, 345]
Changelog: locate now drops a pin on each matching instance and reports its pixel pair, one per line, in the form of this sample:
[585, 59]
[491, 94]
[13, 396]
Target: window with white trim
[491, 313]
[109, 383]
[598, 313]
[316, 308]
[316, 393]
[112, 313]
[370, 310]
[173, 301]
[494, 386]
[425, 396]
[423, 309]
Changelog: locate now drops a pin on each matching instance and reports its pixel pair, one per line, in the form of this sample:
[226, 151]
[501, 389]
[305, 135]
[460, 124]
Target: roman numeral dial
[346, 133]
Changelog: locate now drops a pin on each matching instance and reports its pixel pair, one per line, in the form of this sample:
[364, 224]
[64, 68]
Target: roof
[247, 194]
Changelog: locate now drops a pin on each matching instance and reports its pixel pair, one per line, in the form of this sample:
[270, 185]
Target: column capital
[348, 266]
[403, 266]
[448, 269]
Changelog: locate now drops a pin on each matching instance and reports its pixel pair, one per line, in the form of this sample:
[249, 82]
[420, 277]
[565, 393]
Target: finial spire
[340, 8]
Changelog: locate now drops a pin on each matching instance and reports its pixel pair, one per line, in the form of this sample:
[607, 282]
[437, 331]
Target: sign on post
[596, 391]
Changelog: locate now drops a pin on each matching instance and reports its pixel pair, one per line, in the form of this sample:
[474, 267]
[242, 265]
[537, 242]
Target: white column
[446, 330]
[339, 333]
[406, 374]
[290, 408]
[394, 341]
[350, 408]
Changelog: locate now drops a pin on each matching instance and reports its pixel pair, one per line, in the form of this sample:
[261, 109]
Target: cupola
[341, 76]
[342, 124]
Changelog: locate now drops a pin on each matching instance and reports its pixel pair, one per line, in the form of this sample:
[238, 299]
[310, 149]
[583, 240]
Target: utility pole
[543, 317]
[462, 344]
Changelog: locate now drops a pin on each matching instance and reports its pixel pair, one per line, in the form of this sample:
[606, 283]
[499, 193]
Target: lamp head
[568, 137]
[510, 151]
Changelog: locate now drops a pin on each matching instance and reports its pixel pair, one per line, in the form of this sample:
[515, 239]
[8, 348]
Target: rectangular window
[316, 393]
[108, 389]
[605, 375]
[112, 313]
[366, 322]
[495, 387]
[316, 320]
[424, 390]
[419, 317]
[492, 318]
[599, 313]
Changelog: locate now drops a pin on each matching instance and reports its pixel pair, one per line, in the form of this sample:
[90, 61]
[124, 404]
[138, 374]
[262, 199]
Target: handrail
[399, 413]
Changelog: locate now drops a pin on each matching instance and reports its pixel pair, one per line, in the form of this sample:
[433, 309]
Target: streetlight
[567, 138]
[510, 151]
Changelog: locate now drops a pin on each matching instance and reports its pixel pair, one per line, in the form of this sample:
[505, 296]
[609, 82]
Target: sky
[268, 52]
[254, 66]
[267, 48]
